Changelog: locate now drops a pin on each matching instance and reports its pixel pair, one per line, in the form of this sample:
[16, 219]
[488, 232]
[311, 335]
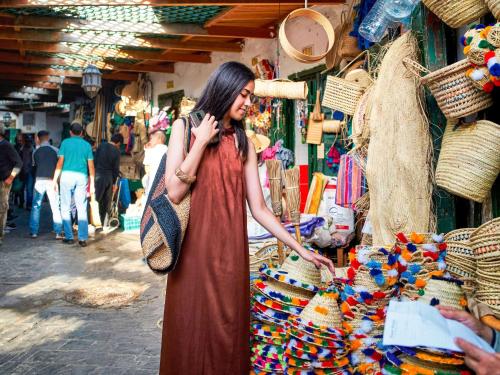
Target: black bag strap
[187, 135]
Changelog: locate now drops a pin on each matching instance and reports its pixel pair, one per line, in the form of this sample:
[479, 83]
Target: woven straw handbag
[455, 93]
[164, 223]
[469, 161]
[343, 95]
[456, 13]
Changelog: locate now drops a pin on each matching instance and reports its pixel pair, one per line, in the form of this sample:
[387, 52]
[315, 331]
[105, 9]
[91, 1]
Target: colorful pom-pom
[420, 283]
[434, 301]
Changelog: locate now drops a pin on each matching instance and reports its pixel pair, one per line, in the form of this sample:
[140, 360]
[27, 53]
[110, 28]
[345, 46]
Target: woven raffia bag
[341, 94]
[494, 6]
[469, 161]
[456, 13]
[455, 93]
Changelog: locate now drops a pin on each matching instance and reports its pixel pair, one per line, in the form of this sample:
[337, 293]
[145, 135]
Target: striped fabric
[351, 182]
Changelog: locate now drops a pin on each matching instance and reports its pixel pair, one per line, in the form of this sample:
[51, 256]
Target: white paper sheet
[418, 324]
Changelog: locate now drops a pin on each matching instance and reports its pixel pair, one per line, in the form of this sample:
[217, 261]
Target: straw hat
[323, 310]
[284, 293]
[444, 292]
[261, 142]
[296, 271]
[262, 299]
[121, 108]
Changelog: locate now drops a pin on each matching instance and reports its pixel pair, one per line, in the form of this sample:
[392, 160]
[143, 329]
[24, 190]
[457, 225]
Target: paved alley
[71, 310]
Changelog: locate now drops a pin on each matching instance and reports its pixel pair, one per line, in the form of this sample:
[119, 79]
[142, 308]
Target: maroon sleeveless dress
[207, 306]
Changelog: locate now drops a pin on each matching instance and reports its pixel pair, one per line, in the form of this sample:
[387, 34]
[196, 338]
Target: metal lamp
[91, 81]
[7, 118]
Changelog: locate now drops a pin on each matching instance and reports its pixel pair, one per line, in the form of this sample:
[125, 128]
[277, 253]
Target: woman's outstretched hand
[207, 130]
[317, 259]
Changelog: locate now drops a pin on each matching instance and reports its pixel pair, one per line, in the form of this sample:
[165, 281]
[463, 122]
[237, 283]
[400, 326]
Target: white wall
[192, 77]
[40, 122]
[55, 127]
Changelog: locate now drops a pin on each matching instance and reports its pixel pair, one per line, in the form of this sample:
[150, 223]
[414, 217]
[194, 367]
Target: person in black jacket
[107, 170]
[45, 161]
[10, 165]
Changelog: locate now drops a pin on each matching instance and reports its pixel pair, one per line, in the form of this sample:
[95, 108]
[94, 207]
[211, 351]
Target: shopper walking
[207, 308]
[44, 162]
[24, 147]
[75, 165]
[10, 166]
[153, 153]
[107, 170]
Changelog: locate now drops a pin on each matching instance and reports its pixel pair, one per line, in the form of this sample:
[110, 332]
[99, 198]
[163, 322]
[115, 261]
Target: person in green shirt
[74, 166]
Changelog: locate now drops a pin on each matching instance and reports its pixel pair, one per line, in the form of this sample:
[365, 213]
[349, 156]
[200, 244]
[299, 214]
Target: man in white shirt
[153, 152]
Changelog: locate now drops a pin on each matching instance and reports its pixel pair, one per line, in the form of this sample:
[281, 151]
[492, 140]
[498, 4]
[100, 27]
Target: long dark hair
[222, 89]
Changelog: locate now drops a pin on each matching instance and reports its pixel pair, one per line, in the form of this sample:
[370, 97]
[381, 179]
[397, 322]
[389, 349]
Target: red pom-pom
[488, 86]
[402, 238]
[442, 246]
[488, 55]
[355, 264]
[397, 249]
[351, 273]
[379, 295]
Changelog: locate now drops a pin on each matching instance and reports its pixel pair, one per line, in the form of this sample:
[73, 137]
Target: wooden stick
[275, 184]
[293, 198]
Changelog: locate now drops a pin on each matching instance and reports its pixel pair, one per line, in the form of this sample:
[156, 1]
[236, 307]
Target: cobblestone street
[45, 327]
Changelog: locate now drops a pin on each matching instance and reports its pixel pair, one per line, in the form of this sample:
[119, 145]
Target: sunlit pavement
[44, 329]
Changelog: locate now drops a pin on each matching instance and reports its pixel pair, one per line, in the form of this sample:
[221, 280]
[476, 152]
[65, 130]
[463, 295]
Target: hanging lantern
[7, 118]
[91, 81]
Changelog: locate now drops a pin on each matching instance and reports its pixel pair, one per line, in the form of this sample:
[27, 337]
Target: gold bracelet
[184, 177]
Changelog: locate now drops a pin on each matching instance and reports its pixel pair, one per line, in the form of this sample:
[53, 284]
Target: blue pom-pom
[495, 70]
[480, 26]
[405, 274]
[434, 301]
[380, 279]
[383, 251]
[411, 247]
[414, 268]
[392, 259]
[337, 115]
[393, 359]
[374, 264]
[369, 352]
[374, 272]
[412, 279]
[462, 40]
[365, 295]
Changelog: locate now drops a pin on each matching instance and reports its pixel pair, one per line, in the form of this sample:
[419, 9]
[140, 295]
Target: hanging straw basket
[469, 161]
[341, 95]
[455, 94]
[281, 88]
[456, 13]
[494, 6]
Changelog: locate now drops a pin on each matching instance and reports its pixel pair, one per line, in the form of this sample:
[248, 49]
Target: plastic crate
[130, 223]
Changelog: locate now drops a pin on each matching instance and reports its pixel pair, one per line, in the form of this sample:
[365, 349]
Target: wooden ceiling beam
[183, 29]
[116, 39]
[44, 3]
[38, 79]
[9, 68]
[80, 63]
[98, 51]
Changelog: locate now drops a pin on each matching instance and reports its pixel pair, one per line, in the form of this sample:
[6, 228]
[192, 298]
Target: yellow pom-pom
[416, 238]
[466, 50]
[321, 310]
[463, 302]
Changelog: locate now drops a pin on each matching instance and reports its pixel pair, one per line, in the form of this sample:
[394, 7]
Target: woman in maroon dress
[207, 309]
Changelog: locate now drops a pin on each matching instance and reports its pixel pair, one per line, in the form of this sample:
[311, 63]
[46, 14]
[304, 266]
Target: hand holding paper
[417, 324]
